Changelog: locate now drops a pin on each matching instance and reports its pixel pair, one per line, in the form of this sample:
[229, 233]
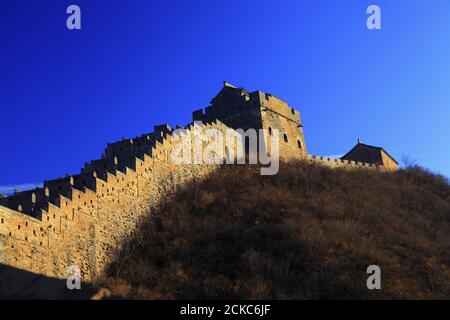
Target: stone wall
[388, 162]
[83, 219]
[240, 109]
[277, 114]
[339, 163]
[84, 225]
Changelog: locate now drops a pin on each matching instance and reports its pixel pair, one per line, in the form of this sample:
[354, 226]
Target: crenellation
[62, 186]
[164, 128]
[84, 181]
[335, 162]
[82, 219]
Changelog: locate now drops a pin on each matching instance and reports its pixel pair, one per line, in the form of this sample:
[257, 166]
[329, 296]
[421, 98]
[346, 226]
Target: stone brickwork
[277, 114]
[340, 163]
[83, 219]
[239, 109]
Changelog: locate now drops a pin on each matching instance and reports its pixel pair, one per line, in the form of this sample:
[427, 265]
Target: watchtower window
[285, 137]
[3, 221]
[293, 110]
[270, 130]
[299, 144]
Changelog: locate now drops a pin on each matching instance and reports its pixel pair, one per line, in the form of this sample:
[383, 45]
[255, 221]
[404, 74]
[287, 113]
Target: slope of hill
[307, 233]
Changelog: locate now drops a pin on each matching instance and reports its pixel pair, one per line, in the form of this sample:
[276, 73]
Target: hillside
[307, 233]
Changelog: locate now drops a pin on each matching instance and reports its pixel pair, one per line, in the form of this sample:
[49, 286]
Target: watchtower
[240, 109]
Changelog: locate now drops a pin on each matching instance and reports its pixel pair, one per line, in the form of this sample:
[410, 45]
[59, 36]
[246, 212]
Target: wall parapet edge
[337, 162]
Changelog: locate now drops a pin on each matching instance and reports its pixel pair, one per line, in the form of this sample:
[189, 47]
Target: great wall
[83, 219]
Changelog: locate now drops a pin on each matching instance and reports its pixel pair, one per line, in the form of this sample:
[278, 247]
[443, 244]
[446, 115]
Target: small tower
[240, 109]
[371, 154]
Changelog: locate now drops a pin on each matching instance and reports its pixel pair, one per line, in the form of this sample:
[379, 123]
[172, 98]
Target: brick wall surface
[82, 219]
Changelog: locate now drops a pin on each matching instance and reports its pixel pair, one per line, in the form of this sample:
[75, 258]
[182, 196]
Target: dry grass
[307, 233]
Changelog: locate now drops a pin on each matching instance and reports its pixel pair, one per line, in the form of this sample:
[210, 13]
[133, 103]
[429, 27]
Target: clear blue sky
[65, 94]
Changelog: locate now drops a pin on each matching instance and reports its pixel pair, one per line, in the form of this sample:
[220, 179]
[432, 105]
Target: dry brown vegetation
[307, 233]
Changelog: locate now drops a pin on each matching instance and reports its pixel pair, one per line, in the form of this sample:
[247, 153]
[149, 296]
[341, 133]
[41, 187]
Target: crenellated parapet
[339, 163]
[82, 219]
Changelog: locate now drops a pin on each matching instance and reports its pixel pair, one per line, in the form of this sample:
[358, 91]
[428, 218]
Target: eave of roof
[372, 147]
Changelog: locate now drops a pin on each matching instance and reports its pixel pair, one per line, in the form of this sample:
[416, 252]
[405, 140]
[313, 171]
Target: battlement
[237, 103]
[336, 162]
[82, 219]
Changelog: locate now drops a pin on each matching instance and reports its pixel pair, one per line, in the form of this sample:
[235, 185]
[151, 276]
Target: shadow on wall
[23, 285]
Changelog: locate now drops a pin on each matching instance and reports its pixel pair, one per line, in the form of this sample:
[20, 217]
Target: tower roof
[366, 153]
[228, 93]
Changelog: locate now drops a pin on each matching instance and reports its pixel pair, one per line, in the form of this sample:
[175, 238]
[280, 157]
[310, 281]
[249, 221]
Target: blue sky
[65, 94]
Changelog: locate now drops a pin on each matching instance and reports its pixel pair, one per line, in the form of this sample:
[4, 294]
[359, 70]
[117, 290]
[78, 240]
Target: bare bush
[408, 161]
